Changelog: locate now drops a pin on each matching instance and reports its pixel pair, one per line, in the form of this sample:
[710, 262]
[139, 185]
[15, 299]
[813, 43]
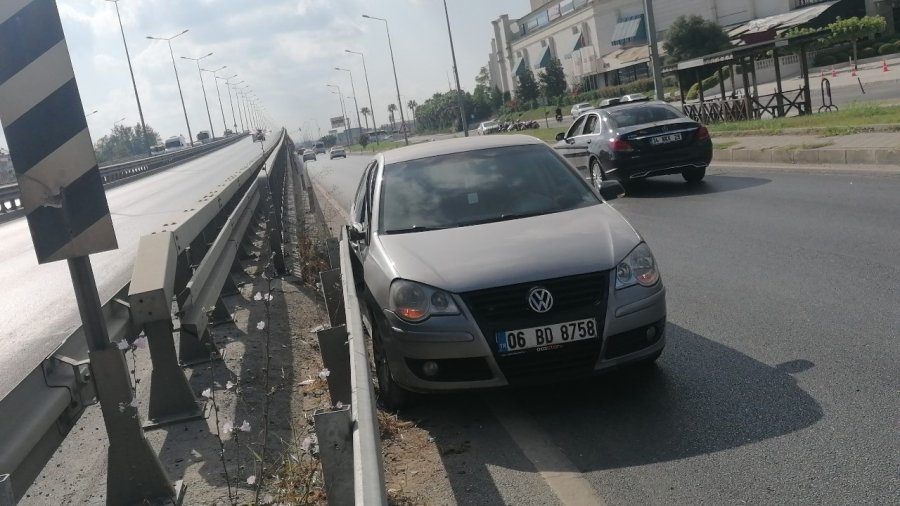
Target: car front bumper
[633, 329]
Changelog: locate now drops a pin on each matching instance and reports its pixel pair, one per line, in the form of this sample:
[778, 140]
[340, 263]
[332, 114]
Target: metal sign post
[68, 217]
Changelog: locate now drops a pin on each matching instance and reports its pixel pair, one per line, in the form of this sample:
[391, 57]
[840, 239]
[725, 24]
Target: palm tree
[391, 109]
[412, 104]
[365, 112]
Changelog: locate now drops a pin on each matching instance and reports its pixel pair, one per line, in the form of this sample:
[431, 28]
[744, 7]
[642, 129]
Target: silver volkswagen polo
[488, 261]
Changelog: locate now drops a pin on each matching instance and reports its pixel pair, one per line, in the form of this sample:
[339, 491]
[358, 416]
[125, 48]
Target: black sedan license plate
[546, 336]
[665, 139]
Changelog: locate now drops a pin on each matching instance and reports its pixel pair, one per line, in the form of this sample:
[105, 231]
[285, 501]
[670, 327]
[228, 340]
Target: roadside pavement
[870, 148]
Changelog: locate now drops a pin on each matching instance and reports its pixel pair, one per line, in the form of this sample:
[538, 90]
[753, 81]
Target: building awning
[580, 43]
[520, 68]
[627, 30]
[545, 60]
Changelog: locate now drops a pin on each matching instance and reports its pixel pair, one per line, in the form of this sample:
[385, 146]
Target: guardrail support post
[171, 398]
[220, 314]
[194, 349]
[335, 351]
[6, 493]
[334, 296]
[334, 431]
[134, 474]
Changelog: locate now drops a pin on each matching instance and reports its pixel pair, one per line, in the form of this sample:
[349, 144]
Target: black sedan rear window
[632, 116]
[476, 187]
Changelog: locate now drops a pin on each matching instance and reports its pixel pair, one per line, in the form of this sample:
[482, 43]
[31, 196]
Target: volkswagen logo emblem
[540, 300]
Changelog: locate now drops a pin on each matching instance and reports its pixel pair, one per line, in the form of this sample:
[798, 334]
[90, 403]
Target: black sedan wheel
[391, 395]
[693, 174]
[597, 174]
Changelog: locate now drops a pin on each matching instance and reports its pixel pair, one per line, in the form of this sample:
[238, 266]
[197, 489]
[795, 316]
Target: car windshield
[489, 124]
[631, 116]
[475, 187]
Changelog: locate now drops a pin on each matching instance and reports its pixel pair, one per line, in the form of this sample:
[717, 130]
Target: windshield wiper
[416, 228]
[503, 217]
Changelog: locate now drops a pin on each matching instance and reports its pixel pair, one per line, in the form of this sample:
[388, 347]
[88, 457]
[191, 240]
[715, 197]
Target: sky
[285, 50]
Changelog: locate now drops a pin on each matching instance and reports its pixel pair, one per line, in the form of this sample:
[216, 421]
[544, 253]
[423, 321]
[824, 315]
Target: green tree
[329, 140]
[497, 98]
[692, 36]
[527, 89]
[365, 112]
[553, 80]
[483, 92]
[391, 108]
[853, 29]
[364, 140]
[413, 105]
[124, 142]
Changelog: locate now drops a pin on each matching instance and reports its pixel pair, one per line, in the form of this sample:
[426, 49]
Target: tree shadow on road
[702, 397]
[674, 186]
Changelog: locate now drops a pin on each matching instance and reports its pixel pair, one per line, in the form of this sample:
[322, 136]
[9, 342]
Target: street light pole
[343, 111]
[252, 121]
[212, 132]
[368, 90]
[654, 51]
[137, 98]
[230, 101]
[396, 83]
[353, 88]
[222, 109]
[237, 98]
[459, 96]
[178, 82]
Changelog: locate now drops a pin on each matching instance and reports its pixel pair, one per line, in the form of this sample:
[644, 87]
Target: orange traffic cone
[884, 66]
[853, 73]
[833, 72]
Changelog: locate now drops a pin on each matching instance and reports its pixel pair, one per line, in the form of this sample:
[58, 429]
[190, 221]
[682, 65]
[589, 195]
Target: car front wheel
[694, 174]
[391, 395]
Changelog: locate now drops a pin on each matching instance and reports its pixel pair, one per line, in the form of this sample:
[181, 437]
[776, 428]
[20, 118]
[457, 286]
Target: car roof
[636, 103]
[460, 145]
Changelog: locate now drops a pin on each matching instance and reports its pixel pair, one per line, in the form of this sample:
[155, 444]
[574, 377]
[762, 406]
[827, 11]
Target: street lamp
[353, 88]
[116, 122]
[459, 96]
[237, 98]
[133, 83]
[178, 81]
[343, 111]
[230, 101]
[203, 87]
[368, 90]
[396, 83]
[251, 120]
[91, 113]
[222, 109]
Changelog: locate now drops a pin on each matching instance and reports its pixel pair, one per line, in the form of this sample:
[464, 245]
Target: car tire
[391, 396]
[693, 175]
[596, 173]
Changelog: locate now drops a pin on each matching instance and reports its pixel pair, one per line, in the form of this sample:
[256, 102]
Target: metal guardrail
[188, 261]
[349, 439]
[119, 173]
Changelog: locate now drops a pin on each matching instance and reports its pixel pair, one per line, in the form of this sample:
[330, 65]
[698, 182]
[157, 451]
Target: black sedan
[629, 141]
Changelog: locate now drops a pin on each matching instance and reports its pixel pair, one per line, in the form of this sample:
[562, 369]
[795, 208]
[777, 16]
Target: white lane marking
[554, 467]
[331, 201]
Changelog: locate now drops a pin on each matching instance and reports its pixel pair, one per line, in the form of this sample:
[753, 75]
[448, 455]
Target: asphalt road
[38, 311]
[779, 384]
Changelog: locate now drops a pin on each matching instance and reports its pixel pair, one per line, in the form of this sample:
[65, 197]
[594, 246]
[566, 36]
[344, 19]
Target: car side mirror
[356, 232]
[560, 136]
[611, 190]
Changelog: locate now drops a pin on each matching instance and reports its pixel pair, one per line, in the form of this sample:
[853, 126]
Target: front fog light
[430, 369]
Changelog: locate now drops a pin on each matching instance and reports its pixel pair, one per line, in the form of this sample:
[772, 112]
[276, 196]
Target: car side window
[575, 129]
[360, 200]
[591, 124]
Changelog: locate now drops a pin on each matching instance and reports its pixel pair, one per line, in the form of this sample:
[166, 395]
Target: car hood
[579, 241]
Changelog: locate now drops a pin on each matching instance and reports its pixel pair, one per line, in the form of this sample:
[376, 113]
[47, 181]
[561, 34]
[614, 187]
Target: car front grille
[506, 308]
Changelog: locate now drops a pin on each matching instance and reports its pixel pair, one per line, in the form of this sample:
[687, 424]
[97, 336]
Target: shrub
[886, 49]
[823, 60]
[868, 52]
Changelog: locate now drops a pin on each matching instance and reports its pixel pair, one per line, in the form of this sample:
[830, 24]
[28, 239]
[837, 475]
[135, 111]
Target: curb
[850, 156]
[806, 131]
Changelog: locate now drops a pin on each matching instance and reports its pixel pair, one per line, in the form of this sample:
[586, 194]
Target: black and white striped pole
[68, 217]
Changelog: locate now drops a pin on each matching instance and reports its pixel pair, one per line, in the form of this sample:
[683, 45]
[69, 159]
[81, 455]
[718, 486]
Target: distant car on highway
[158, 149]
[337, 151]
[635, 140]
[203, 137]
[309, 154]
[578, 109]
[175, 143]
[488, 261]
[319, 148]
[488, 127]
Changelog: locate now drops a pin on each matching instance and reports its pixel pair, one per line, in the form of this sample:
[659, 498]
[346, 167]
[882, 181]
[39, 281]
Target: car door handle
[588, 141]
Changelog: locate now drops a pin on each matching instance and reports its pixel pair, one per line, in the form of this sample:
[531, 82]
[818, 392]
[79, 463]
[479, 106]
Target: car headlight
[415, 302]
[638, 268]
